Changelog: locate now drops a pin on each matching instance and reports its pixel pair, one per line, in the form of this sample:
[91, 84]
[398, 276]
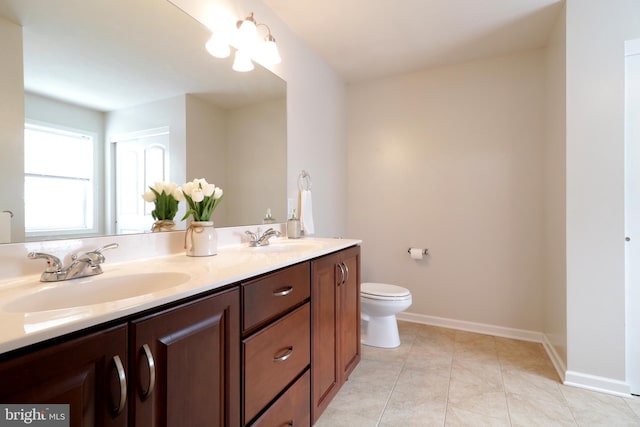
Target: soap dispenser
[293, 226]
[268, 219]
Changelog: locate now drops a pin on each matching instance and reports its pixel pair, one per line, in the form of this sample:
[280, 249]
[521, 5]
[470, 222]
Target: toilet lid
[373, 290]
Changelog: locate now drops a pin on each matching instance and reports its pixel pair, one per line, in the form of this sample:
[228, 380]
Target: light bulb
[242, 61]
[246, 32]
[270, 54]
[218, 47]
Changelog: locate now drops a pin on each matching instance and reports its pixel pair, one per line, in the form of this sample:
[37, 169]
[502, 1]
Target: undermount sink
[95, 290]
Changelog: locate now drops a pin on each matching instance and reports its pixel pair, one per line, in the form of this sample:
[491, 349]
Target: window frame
[95, 204]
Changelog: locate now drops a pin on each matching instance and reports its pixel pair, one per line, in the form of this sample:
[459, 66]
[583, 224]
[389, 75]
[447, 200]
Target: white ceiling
[363, 39]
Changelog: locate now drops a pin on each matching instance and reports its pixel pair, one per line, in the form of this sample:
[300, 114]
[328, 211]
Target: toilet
[379, 304]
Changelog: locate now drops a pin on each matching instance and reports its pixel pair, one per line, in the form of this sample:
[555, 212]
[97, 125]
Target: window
[59, 181]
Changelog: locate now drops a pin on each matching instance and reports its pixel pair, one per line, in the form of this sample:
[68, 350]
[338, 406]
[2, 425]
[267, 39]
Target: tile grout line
[504, 386]
[446, 405]
[395, 383]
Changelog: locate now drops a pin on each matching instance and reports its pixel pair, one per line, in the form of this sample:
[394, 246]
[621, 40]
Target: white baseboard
[556, 360]
[571, 378]
[480, 328]
[596, 383]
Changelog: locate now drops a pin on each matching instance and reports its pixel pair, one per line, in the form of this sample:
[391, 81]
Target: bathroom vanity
[252, 338]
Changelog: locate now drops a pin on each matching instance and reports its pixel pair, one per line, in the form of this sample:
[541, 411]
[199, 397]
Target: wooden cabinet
[185, 364]
[88, 373]
[273, 350]
[180, 366]
[335, 324]
[277, 347]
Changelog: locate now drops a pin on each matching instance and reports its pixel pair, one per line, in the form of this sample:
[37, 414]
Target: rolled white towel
[306, 212]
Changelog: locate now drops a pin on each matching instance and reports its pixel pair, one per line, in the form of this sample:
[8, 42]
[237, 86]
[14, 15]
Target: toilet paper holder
[424, 251]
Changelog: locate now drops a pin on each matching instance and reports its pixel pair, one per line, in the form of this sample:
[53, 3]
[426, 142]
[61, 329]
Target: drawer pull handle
[283, 291]
[285, 356]
[122, 378]
[342, 276]
[152, 371]
[346, 268]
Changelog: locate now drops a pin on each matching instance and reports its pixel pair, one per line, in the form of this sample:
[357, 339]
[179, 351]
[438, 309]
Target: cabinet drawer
[292, 408]
[271, 295]
[273, 357]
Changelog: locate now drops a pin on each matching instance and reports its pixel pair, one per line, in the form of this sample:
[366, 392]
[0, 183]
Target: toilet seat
[384, 291]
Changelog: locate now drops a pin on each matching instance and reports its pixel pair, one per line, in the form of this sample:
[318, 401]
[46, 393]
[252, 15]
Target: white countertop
[232, 264]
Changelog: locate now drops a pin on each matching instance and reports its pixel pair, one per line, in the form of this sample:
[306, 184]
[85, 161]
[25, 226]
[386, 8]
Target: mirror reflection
[103, 98]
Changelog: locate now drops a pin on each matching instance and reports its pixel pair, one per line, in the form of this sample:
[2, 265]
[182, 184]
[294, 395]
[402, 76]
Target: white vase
[201, 239]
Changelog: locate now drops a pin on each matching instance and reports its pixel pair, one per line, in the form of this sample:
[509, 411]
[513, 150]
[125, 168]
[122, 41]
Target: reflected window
[59, 180]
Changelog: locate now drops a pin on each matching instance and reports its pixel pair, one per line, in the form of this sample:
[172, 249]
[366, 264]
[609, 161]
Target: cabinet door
[88, 373]
[185, 364]
[325, 370]
[349, 310]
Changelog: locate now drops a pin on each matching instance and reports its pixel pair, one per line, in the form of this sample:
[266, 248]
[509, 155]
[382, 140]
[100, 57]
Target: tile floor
[443, 377]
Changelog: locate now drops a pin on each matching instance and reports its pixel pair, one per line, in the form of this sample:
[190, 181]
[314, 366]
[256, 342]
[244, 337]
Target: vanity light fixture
[248, 45]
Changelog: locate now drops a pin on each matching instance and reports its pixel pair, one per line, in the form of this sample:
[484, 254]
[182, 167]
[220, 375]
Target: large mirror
[134, 78]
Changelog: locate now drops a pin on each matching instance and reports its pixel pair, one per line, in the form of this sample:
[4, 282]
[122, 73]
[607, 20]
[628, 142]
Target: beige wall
[450, 159]
[206, 151]
[12, 125]
[257, 155]
[554, 170]
[241, 151]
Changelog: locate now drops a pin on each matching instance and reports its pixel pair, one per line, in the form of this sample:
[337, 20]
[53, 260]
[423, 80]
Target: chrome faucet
[86, 264]
[257, 239]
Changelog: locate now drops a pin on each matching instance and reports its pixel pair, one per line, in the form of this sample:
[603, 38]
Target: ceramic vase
[201, 239]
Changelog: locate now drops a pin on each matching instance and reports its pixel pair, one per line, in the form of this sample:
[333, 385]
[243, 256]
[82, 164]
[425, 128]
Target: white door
[632, 211]
[140, 162]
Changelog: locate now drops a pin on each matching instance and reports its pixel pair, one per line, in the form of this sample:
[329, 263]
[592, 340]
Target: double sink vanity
[262, 336]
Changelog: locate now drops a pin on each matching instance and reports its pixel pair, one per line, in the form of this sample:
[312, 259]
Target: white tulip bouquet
[165, 196]
[202, 197]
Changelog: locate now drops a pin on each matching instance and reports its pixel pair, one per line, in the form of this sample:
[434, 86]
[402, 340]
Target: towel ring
[304, 181]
